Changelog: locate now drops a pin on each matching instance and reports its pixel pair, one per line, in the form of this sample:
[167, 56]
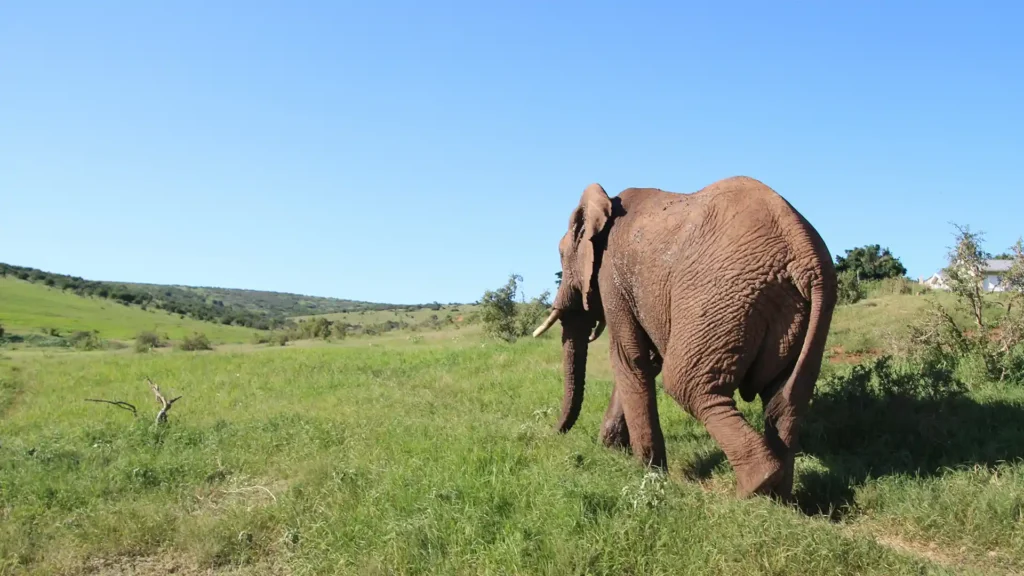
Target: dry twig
[118, 403]
[165, 404]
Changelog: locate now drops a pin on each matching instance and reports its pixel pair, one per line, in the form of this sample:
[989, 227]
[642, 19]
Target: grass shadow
[859, 434]
[703, 465]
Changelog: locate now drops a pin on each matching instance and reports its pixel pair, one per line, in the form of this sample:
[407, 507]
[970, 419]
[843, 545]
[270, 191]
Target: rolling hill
[27, 308]
[236, 307]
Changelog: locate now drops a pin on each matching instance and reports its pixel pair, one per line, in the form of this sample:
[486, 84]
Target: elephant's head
[578, 301]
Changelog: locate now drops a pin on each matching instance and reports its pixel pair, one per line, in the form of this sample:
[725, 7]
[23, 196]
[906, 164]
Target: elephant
[723, 289]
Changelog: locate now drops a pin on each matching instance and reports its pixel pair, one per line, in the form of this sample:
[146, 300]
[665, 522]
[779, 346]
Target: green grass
[461, 314]
[866, 328]
[410, 454]
[29, 308]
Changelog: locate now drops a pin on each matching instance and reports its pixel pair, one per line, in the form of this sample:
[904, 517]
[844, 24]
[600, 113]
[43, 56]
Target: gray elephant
[722, 289]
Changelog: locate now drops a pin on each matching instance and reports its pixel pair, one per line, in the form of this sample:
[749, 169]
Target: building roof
[998, 265]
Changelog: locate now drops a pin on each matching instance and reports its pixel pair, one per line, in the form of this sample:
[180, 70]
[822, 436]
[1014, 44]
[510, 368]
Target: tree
[1014, 278]
[965, 271]
[870, 262]
[558, 278]
[507, 319]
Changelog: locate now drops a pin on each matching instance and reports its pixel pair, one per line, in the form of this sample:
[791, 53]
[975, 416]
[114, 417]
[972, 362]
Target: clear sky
[417, 151]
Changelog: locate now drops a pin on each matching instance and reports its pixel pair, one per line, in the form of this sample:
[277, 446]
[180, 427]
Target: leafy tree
[507, 319]
[1014, 278]
[498, 310]
[558, 278]
[870, 262]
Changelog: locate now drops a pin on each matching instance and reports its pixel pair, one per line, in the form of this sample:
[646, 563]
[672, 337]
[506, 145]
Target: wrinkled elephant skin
[724, 289]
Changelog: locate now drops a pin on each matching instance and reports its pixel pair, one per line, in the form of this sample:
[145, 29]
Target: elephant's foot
[783, 490]
[614, 434]
[651, 456]
[759, 479]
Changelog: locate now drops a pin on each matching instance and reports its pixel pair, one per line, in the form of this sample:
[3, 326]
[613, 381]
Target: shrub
[990, 349]
[850, 289]
[146, 341]
[197, 341]
[924, 378]
[339, 330]
[506, 319]
[85, 340]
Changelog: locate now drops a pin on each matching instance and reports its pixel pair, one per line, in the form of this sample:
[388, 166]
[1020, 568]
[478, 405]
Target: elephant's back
[773, 230]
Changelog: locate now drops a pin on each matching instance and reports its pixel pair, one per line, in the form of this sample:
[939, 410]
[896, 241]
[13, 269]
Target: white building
[993, 271]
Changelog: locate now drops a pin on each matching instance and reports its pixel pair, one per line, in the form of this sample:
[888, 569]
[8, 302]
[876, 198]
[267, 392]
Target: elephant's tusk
[598, 330]
[552, 318]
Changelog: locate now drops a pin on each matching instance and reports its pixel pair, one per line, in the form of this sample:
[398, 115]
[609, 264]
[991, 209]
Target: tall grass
[438, 456]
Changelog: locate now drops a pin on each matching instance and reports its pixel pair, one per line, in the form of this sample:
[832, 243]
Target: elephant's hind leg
[783, 410]
[707, 393]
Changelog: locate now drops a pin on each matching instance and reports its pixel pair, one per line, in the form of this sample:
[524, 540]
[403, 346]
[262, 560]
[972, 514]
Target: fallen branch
[165, 404]
[118, 403]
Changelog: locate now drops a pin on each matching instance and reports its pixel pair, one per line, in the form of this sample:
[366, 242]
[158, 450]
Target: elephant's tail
[797, 389]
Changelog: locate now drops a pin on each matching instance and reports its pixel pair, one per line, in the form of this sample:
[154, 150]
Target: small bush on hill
[850, 289]
[146, 341]
[86, 340]
[197, 341]
[339, 330]
[990, 348]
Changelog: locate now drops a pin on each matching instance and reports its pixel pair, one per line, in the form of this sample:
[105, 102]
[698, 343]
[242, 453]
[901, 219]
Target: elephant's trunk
[574, 363]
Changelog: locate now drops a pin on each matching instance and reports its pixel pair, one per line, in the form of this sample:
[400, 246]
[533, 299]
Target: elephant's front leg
[635, 394]
[614, 432]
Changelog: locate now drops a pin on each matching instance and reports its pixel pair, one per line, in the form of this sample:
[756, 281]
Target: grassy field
[434, 453]
[417, 316]
[31, 308]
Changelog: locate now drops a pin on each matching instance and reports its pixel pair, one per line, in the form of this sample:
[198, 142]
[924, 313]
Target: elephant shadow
[857, 435]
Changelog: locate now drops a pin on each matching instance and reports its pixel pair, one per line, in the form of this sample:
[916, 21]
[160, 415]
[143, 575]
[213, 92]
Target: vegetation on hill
[34, 314]
[249, 308]
[870, 262]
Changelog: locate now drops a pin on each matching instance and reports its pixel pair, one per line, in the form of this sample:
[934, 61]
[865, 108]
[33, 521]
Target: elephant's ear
[596, 209]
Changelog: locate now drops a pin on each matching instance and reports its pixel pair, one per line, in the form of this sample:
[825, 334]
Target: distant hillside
[250, 308]
[27, 308]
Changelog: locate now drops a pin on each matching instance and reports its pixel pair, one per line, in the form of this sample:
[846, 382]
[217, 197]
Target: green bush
[507, 319]
[850, 289]
[925, 378]
[146, 341]
[85, 340]
[339, 330]
[197, 341]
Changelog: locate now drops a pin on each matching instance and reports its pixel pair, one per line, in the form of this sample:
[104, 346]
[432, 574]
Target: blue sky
[419, 151]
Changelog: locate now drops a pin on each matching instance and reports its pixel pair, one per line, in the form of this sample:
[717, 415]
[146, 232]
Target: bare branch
[118, 403]
[165, 404]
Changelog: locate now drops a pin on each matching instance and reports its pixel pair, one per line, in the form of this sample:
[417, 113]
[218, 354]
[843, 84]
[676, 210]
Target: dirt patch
[837, 355]
[947, 557]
